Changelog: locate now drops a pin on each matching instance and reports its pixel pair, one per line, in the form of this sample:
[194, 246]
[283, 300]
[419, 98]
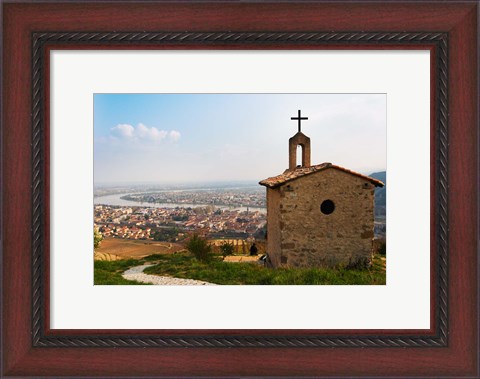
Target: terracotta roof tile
[290, 175]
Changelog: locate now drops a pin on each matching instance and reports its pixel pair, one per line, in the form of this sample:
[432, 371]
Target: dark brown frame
[449, 348]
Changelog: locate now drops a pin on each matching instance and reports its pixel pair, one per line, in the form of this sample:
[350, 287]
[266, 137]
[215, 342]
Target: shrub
[383, 248]
[380, 246]
[358, 263]
[200, 248]
[226, 248]
[165, 234]
[97, 238]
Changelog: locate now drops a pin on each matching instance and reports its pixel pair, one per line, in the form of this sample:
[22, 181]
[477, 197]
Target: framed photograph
[226, 189]
[190, 201]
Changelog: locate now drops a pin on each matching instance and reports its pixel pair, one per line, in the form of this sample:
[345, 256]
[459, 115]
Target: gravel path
[136, 273]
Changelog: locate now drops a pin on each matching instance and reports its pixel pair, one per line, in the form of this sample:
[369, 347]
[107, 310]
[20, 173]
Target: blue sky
[174, 138]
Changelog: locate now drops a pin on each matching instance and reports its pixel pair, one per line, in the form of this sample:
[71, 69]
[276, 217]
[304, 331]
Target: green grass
[108, 273]
[183, 265]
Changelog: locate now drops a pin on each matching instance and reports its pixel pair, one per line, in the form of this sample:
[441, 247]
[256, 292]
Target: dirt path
[136, 273]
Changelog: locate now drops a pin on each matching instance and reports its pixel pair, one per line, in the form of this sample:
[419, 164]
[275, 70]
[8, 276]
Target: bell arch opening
[299, 158]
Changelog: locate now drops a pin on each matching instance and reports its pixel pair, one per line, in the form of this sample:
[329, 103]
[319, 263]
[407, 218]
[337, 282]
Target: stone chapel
[320, 215]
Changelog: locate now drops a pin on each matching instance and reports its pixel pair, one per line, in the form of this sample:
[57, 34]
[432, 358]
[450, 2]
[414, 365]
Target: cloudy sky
[173, 138]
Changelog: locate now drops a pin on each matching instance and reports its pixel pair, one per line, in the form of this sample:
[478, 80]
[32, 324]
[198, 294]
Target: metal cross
[299, 118]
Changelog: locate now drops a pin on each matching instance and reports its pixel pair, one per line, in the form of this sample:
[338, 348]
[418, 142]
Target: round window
[327, 207]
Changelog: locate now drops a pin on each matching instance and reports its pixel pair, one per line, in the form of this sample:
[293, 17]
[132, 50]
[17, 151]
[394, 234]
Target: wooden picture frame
[447, 29]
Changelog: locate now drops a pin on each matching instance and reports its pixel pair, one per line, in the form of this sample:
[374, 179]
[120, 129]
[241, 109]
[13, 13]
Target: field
[112, 249]
[184, 265]
[115, 256]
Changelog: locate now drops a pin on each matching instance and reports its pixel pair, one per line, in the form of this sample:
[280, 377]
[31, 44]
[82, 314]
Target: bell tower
[301, 140]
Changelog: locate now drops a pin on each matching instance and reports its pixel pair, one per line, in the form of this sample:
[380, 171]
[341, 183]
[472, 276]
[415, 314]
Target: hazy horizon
[219, 182]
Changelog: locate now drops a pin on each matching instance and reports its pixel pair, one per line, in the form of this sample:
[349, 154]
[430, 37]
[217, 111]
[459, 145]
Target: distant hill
[380, 195]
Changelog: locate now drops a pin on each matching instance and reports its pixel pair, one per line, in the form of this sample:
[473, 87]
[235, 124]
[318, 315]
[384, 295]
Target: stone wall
[306, 237]
[273, 224]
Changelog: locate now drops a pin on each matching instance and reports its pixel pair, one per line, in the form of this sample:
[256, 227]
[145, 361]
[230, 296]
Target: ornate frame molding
[315, 39]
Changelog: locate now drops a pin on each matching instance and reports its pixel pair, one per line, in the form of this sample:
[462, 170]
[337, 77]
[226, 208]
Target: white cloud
[123, 130]
[143, 133]
[175, 135]
[152, 133]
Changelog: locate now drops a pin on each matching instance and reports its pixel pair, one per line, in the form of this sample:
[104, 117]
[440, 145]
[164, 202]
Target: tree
[383, 248]
[226, 248]
[165, 234]
[180, 217]
[200, 248]
[97, 238]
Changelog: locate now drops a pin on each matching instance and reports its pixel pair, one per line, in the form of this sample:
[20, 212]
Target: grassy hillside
[184, 265]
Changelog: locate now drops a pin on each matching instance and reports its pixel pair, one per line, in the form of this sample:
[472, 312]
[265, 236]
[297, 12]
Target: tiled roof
[289, 175]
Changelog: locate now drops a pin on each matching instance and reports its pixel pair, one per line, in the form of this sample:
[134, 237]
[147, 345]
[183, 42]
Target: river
[116, 200]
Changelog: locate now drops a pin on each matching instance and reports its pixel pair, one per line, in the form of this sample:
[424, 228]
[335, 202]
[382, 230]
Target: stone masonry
[301, 235]
[302, 140]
